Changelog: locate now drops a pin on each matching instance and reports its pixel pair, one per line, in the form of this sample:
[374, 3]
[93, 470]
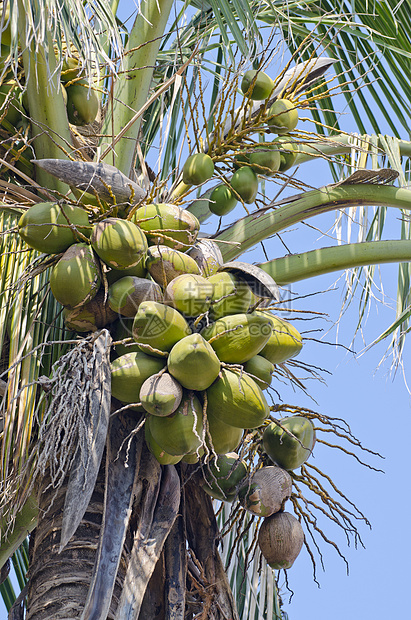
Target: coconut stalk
[254, 228]
[131, 88]
[45, 98]
[295, 267]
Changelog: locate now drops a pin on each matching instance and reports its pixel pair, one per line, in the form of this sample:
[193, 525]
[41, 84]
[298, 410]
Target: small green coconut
[190, 294]
[222, 200]
[288, 150]
[283, 116]
[197, 169]
[125, 295]
[128, 373]
[223, 475]
[244, 182]
[161, 455]
[158, 327]
[285, 341]
[83, 103]
[46, 226]
[75, 280]
[193, 362]
[261, 370]
[182, 431]
[119, 243]
[289, 443]
[161, 394]
[257, 85]
[222, 438]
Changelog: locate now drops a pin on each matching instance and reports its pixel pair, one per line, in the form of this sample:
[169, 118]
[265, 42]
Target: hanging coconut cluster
[195, 346]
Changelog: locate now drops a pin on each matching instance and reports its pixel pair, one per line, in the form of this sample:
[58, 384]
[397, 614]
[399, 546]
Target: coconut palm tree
[113, 533]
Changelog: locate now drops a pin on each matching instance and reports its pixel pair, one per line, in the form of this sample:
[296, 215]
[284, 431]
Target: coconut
[257, 85]
[231, 295]
[125, 295]
[261, 369]
[167, 224]
[138, 271]
[197, 169]
[207, 255]
[45, 226]
[244, 182]
[128, 373]
[96, 314]
[161, 394]
[10, 106]
[284, 342]
[75, 280]
[280, 539]
[70, 69]
[157, 326]
[235, 399]
[193, 363]
[182, 431]
[222, 438]
[283, 116]
[288, 150]
[266, 492]
[222, 476]
[164, 264]
[222, 200]
[236, 338]
[289, 451]
[161, 455]
[265, 160]
[119, 243]
[190, 294]
[82, 103]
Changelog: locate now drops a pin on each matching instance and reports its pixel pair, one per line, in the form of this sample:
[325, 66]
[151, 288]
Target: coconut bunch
[269, 158]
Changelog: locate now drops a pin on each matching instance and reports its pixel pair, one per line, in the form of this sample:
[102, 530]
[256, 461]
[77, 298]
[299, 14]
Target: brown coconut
[266, 492]
[280, 539]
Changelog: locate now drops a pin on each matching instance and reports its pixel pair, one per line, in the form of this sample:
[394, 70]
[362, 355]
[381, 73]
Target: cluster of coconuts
[268, 158]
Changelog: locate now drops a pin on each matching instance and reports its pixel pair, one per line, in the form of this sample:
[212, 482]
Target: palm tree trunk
[59, 582]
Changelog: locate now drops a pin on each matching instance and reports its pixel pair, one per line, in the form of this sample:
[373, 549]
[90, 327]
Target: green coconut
[167, 224]
[265, 160]
[161, 394]
[207, 255]
[231, 295]
[182, 431]
[83, 103]
[261, 369]
[222, 200]
[222, 476]
[222, 438]
[266, 492]
[257, 85]
[119, 243]
[193, 362]
[128, 373]
[45, 226]
[285, 341]
[197, 169]
[236, 338]
[125, 295]
[235, 399]
[164, 264]
[244, 182]
[10, 106]
[157, 326]
[280, 539]
[6, 32]
[161, 455]
[122, 329]
[289, 450]
[283, 116]
[288, 150]
[190, 294]
[70, 69]
[95, 315]
[75, 280]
